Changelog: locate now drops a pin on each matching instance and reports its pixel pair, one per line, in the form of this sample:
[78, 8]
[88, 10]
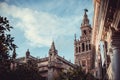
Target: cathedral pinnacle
[52, 46]
[27, 53]
[52, 50]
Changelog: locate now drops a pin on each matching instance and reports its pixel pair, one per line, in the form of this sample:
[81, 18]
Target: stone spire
[52, 53]
[85, 21]
[52, 47]
[52, 50]
[27, 53]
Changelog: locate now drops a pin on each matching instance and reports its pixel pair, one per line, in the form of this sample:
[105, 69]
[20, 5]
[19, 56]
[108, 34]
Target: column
[115, 44]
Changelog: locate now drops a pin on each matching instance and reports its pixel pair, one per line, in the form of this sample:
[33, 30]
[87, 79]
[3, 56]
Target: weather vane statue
[85, 10]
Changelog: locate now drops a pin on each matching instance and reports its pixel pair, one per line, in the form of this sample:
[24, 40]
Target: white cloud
[40, 27]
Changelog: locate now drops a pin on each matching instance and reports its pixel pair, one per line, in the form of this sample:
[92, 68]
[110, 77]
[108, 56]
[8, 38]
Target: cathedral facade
[82, 46]
[97, 50]
[49, 67]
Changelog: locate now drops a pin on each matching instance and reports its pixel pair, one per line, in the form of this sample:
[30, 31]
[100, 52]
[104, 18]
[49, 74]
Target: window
[84, 32]
[89, 46]
[86, 47]
[79, 49]
[83, 47]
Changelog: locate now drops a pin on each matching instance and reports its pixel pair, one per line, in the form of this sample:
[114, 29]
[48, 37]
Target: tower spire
[85, 21]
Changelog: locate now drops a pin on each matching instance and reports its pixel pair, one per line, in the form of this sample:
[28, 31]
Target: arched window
[79, 49]
[84, 32]
[89, 46]
[86, 47]
[83, 47]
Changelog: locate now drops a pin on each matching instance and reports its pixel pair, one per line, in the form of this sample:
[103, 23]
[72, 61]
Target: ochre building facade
[49, 67]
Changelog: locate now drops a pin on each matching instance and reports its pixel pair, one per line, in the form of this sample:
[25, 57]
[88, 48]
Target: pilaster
[115, 44]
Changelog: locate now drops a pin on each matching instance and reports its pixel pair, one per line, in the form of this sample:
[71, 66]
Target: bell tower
[82, 46]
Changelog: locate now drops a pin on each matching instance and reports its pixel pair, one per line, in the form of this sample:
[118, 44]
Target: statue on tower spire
[85, 10]
[85, 14]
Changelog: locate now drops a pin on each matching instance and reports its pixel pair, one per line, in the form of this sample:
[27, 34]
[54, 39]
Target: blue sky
[38, 22]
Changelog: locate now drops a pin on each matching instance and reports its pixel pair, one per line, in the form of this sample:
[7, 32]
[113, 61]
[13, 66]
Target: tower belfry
[82, 46]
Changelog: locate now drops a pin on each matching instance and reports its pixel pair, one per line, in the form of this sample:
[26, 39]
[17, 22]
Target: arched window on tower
[86, 47]
[83, 47]
[89, 46]
[79, 49]
[84, 32]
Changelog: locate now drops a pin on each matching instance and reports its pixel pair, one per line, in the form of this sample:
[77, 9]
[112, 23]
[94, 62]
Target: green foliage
[75, 74]
[6, 45]
[26, 72]
[6, 41]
